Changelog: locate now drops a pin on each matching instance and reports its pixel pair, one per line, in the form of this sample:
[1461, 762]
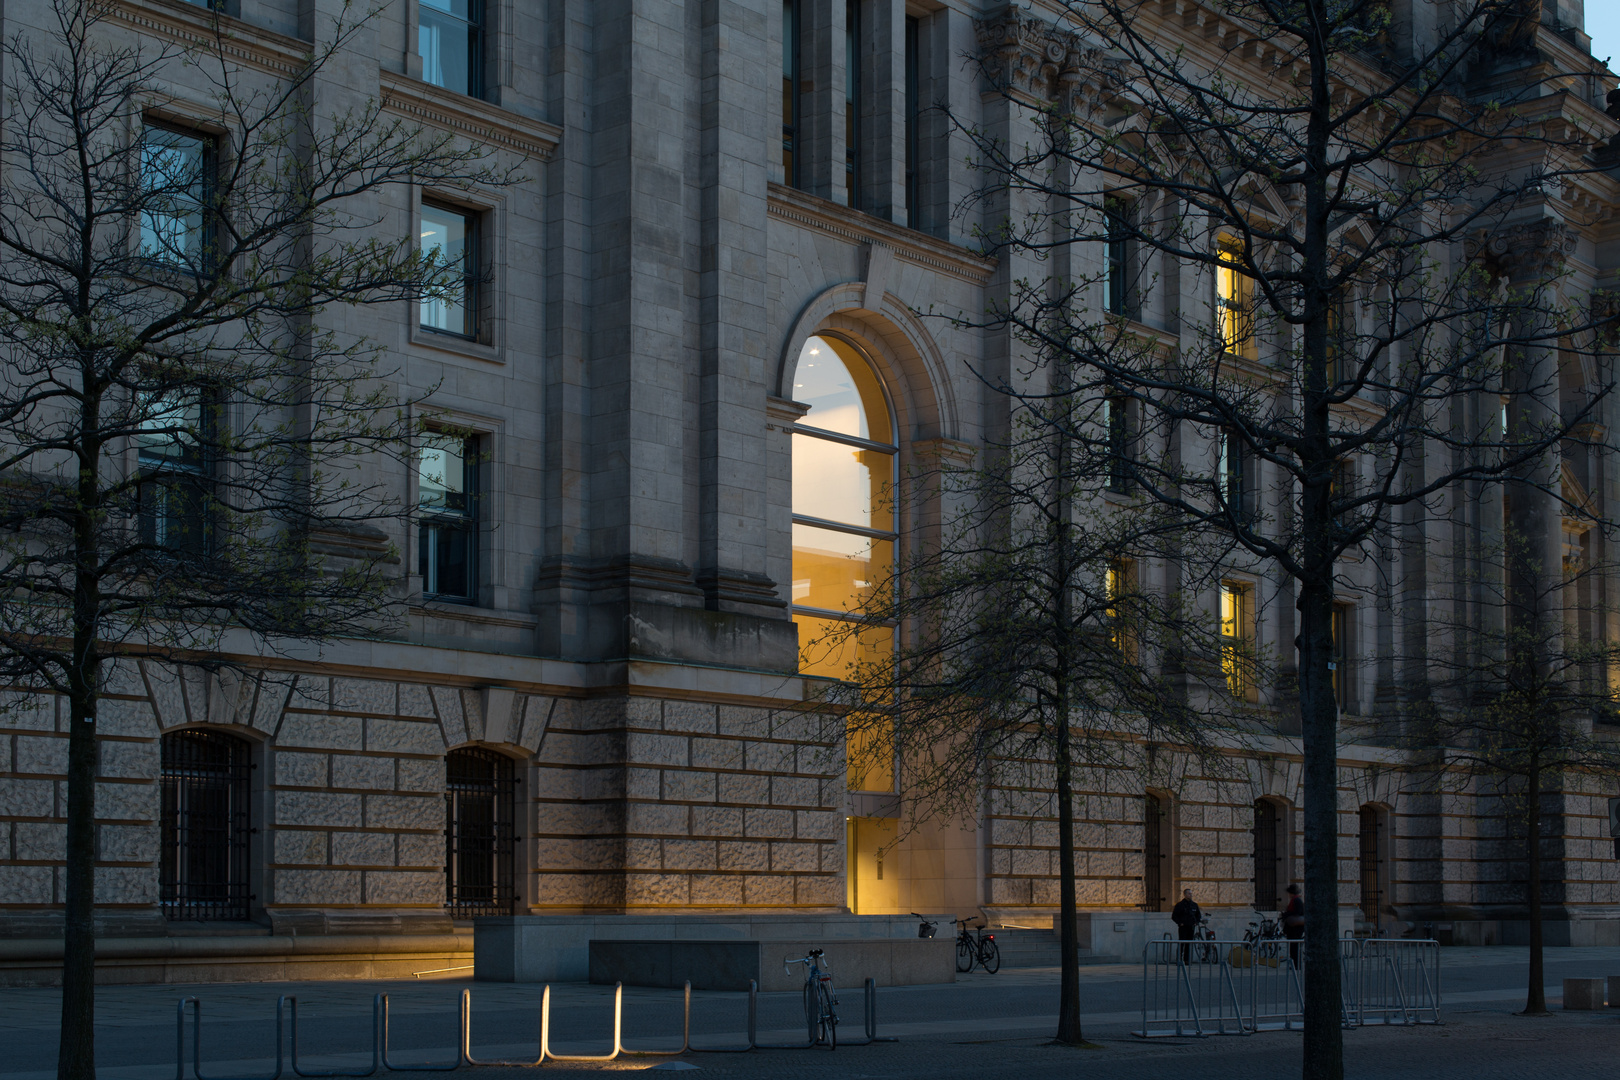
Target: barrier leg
[292, 1004]
[545, 1029]
[466, 1041]
[196, 1042]
[382, 1041]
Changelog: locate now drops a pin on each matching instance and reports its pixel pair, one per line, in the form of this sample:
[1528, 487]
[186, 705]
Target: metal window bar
[1265, 856]
[1152, 855]
[479, 835]
[205, 826]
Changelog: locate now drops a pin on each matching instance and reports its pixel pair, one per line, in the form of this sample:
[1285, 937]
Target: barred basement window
[1267, 855]
[204, 872]
[479, 792]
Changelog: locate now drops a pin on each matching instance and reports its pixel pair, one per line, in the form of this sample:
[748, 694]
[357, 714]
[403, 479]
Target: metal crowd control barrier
[287, 1007]
[1399, 982]
[1234, 988]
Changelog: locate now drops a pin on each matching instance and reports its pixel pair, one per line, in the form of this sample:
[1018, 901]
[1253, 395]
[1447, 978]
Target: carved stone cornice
[1528, 252]
[480, 121]
[1021, 52]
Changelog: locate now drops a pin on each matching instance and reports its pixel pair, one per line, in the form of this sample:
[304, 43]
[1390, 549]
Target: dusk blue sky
[1603, 23]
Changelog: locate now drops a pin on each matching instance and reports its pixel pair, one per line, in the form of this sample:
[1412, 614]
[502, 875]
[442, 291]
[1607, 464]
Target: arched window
[844, 472]
[1157, 853]
[480, 808]
[205, 829]
[1270, 854]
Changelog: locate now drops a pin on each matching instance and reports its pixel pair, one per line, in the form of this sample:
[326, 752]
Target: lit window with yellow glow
[844, 462]
[1235, 615]
[1234, 294]
[1121, 584]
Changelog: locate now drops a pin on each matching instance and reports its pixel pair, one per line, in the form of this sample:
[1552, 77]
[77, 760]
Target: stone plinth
[729, 965]
[1583, 993]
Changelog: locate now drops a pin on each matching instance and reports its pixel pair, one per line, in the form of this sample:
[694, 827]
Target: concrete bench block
[1583, 993]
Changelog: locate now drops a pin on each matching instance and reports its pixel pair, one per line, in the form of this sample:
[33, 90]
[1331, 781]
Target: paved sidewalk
[990, 1026]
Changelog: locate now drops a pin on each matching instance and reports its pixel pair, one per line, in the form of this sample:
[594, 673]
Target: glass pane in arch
[838, 482]
[842, 390]
[838, 571]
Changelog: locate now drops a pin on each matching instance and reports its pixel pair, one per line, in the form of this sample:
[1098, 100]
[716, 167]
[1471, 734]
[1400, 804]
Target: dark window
[1233, 475]
[1116, 416]
[450, 39]
[205, 781]
[1153, 854]
[1338, 337]
[447, 499]
[480, 795]
[853, 54]
[449, 242]
[1116, 260]
[171, 439]
[178, 171]
[790, 92]
[1372, 895]
[913, 120]
[1267, 891]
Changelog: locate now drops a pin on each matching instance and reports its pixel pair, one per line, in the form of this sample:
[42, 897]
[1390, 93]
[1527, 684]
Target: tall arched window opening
[1374, 862]
[1157, 872]
[206, 783]
[1270, 854]
[845, 462]
[480, 797]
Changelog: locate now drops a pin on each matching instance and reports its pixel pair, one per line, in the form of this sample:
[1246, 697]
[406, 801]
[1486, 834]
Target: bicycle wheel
[964, 955]
[812, 1013]
[829, 1019]
[989, 956]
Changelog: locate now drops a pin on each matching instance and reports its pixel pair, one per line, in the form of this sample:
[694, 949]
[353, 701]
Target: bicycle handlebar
[815, 955]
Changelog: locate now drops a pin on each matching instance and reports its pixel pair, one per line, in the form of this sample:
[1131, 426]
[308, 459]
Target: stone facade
[631, 648]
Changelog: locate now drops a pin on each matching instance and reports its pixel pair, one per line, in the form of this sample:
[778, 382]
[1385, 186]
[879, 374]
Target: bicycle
[1203, 935]
[820, 1002]
[926, 929]
[1264, 937]
[981, 950]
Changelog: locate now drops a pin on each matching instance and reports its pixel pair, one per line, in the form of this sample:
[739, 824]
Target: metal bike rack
[545, 1029]
[292, 1004]
[381, 1003]
[466, 1042]
[753, 1014]
[869, 1011]
[196, 1042]
[686, 1032]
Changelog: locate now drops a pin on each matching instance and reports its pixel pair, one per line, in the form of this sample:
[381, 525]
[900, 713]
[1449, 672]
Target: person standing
[1186, 916]
[1293, 923]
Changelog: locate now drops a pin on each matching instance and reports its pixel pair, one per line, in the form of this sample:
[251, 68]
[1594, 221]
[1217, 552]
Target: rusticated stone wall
[648, 804]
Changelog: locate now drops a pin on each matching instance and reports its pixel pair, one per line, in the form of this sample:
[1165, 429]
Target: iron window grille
[480, 789]
[1153, 854]
[1266, 888]
[1371, 894]
[205, 826]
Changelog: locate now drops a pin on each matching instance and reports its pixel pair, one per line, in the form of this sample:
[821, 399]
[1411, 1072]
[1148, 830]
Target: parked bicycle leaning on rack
[979, 950]
[820, 1001]
[926, 929]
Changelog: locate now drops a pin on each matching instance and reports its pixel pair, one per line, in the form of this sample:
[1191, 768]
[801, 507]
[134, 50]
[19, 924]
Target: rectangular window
[170, 450]
[1341, 656]
[1234, 295]
[449, 239]
[790, 92]
[450, 39]
[1121, 586]
[1116, 415]
[913, 120]
[1116, 260]
[177, 188]
[853, 54]
[1236, 618]
[447, 499]
[1337, 327]
[1231, 471]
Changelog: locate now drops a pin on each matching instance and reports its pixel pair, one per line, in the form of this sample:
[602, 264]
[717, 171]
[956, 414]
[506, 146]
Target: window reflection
[844, 462]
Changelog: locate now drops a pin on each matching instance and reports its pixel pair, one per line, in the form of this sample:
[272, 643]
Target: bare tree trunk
[1068, 919]
[76, 1054]
[1324, 1038]
[1535, 1003]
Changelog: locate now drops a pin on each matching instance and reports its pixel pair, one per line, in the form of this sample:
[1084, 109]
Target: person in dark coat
[1293, 923]
[1186, 916]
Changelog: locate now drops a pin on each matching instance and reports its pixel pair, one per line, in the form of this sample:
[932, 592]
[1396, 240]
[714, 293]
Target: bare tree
[1519, 713]
[1042, 645]
[1326, 280]
[188, 441]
